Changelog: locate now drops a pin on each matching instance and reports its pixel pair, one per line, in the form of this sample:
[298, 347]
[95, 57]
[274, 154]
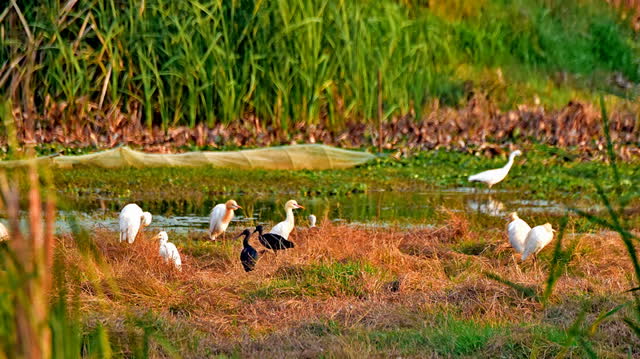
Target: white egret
[4, 233]
[312, 221]
[285, 227]
[538, 238]
[168, 250]
[131, 219]
[517, 230]
[220, 217]
[492, 177]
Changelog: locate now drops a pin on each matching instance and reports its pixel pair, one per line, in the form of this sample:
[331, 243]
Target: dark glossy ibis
[249, 255]
[273, 241]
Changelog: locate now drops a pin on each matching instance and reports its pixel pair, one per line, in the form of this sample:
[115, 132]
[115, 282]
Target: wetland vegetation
[451, 288]
[543, 172]
[409, 260]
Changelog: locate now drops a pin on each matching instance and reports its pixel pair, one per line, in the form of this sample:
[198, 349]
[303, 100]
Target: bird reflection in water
[489, 206]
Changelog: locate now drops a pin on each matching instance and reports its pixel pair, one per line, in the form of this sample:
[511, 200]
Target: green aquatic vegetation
[539, 173]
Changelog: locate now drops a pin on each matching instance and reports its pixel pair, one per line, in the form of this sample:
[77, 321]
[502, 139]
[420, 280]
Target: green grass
[311, 60]
[447, 337]
[317, 280]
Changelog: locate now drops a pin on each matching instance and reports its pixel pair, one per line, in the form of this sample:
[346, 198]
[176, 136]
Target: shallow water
[380, 208]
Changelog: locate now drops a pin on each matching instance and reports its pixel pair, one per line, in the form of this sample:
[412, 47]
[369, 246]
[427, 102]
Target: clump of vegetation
[134, 65]
[324, 280]
[343, 289]
[543, 173]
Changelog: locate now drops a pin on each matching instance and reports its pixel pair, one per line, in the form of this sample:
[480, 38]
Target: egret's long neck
[510, 163]
[228, 216]
[290, 219]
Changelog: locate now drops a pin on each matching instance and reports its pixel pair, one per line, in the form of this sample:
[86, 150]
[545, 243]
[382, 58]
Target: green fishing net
[294, 157]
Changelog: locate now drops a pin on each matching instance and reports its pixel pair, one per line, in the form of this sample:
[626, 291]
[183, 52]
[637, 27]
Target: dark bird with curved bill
[273, 241]
[249, 255]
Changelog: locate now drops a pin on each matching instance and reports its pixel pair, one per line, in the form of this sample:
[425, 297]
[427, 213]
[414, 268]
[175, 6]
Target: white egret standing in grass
[285, 227]
[517, 230]
[131, 219]
[168, 250]
[220, 217]
[312, 221]
[4, 234]
[492, 177]
[537, 238]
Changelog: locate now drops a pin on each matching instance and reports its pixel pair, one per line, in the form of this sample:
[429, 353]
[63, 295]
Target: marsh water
[375, 208]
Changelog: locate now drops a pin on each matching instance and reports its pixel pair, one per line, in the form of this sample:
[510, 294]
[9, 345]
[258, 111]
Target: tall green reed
[40, 314]
[191, 62]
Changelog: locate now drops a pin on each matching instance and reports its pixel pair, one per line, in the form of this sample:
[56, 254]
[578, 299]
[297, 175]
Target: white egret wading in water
[131, 219]
[517, 230]
[220, 217]
[538, 238]
[492, 177]
[168, 251]
[285, 227]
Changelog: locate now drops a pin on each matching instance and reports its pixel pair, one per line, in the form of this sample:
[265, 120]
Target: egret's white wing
[533, 242]
[281, 229]
[169, 252]
[130, 217]
[132, 229]
[490, 176]
[174, 255]
[215, 218]
[518, 231]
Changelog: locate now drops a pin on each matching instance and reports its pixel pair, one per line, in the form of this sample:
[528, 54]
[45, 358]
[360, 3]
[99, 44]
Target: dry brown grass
[405, 276]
